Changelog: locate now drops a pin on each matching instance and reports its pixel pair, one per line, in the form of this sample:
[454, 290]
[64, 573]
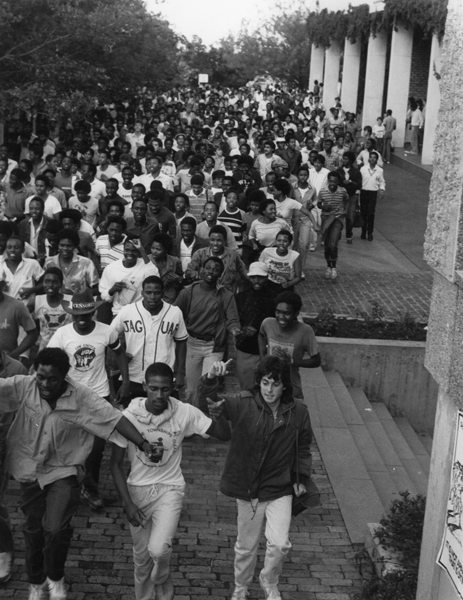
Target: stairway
[370, 457]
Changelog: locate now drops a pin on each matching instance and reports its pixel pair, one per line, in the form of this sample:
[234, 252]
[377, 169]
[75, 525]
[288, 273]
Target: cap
[279, 162]
[258, 268]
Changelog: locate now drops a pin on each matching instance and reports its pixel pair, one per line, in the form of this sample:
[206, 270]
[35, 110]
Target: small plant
[401, 532]
[325, 322]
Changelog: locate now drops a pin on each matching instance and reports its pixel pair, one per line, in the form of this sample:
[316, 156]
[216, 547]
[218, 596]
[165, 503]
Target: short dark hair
[91, 167]
[71, 235]
[152, 279]
[218, 229]
[188, 221]
[283, 185]
[350, 155]
[37, 199]
[118, 220]
[165, 240]
[287, 233]
[83, 186]
[217, 260]
[54, 271]
[159, 369]
[274, 367]
[264, 203]
[290, 298]
[54, 357]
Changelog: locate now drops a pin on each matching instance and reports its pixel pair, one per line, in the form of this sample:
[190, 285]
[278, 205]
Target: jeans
[6, 536]
[332, 237]
[93, 464]
[350, 215]
[152, 544]
[367, 208]
[200, 356]
[47, 529]
[307, 236]
[250, 520]
[246, 369]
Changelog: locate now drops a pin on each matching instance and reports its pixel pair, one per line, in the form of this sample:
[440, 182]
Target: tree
[56, 56]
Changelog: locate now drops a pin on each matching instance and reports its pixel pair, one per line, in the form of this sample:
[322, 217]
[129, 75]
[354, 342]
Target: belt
[202, 338]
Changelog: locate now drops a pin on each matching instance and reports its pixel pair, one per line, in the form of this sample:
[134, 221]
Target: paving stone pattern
[321, 564]
[355, 291]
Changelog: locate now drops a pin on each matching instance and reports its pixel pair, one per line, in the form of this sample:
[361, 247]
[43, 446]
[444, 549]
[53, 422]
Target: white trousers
[250, 521]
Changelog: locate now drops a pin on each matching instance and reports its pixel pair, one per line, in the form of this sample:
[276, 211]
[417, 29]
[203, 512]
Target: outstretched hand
[215, 408]
[219, 369]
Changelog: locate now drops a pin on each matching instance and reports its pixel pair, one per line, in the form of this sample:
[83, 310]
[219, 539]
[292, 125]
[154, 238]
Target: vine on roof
[358, 23]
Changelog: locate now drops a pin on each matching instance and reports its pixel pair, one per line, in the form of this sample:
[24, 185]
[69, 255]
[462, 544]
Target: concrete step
[378, 471]
[404, 452]
[415, 442]
[382, 442]
[355, 492]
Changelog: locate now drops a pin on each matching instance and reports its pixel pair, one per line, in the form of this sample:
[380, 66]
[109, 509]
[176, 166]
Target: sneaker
[165, 591]
[6, 562]
[94, 499]
[240, 593]
[271, 591]
[328, 273]
[349, 240]
[56, 589]
[334, 273]
[312, 248]
[37, 591]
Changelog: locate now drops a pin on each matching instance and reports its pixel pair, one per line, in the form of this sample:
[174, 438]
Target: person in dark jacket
[260, 468]
[351, 180]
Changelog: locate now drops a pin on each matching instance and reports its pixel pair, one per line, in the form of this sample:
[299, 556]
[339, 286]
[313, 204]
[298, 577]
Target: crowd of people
[138, 247]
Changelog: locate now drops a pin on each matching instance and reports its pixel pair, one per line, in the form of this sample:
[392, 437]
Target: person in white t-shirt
[152, 496]
[52, 206]
[153, 331]
[84, 202]
[85, 342]
[121, 280]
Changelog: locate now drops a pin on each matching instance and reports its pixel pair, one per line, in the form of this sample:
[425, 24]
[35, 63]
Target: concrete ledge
[388, 371]
[383, 560]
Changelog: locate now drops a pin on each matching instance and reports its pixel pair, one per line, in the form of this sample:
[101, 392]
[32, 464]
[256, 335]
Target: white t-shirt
[280, 268]
[110, 172]
[27, 273]
[89, 210]
[52, 206]
[286, 208]
[150, 338]
[168, 429]
[51, 318]
[133, 277]
[185, 254]
[87, 354]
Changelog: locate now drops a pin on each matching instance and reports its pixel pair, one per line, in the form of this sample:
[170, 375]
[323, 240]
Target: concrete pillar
[400, 65]
[317, 64]
[350, 75]
[432, 102]
[374, 78]
[331, 78]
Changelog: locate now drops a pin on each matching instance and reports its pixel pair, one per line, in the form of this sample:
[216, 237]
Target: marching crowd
[134, 246]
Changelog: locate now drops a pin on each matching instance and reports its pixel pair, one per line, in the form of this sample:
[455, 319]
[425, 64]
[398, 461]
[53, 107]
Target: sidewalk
[390, 269]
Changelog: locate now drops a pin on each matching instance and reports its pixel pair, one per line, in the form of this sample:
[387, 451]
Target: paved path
[390, 269]
[321, 565]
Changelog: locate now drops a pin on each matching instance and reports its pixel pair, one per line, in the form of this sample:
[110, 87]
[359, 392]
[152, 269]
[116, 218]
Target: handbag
[311, 497]
[358, 219]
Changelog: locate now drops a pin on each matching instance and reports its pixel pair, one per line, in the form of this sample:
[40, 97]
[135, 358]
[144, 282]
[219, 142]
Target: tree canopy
[56, 56]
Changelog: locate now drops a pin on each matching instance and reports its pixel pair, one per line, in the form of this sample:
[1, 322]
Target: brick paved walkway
[355, 291]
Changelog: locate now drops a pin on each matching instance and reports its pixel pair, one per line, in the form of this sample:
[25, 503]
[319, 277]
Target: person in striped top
[233, 217]
[333, 202]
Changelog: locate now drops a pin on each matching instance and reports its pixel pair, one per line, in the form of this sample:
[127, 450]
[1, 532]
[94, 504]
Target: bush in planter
[400, 532]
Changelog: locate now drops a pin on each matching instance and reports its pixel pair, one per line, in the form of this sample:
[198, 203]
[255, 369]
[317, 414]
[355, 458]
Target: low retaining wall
[392, 372]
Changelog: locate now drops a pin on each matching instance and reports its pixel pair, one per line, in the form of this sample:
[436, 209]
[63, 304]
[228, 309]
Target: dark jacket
[197, 244]
[228, 313]
[261, 459]
[355, 180]
[25, 233]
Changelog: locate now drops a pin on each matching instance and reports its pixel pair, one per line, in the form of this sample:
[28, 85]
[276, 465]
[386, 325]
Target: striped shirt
[333, 203]
[108, 253]
[234, 220]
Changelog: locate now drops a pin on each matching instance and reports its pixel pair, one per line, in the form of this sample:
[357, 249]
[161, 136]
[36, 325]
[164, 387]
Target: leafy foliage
[55, 54]
[400, 531]
[429, 15]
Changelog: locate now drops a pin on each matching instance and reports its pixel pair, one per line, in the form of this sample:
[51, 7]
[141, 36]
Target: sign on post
[203, 78]
[451, 552]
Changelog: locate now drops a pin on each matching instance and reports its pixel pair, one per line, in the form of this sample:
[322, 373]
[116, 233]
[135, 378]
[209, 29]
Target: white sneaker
[240, 593]
[6, 561]
[271, 591]
[334, 273]
[56, 589]
[311, 248]
[37, 591]
[328, 273]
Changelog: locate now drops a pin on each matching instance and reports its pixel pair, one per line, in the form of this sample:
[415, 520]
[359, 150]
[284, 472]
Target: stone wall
[420, 66]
